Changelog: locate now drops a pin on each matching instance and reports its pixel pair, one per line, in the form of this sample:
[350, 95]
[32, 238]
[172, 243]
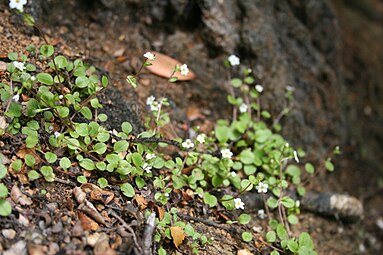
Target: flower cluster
[153, 103]
[17, 4]
[188, 144]
[184, 70]
[150, 56]
[201, 138]
[226, 153]
[239, 204]
[243, 107]
[259, 88]
[19, 65]
[233, 60]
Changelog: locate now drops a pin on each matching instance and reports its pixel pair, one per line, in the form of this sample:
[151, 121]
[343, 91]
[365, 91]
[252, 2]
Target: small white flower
[287, 145]
[150, 56]
[33, 78]
[61, 96]
[261, 214]
[147, 168]
[19, 65]
[238, 203]
[262, 187]
[233, 174]
[155, 106]
[150, 100]
[290, 88]
[184, 70]
[166, 194]
[188, 144]
[56, 134]
[17, 4]
[16, 98]
[201, 138]
[150, 156]
[226, 153]
[243, 107]
[296, 156]
[234, 60]
[259, 88]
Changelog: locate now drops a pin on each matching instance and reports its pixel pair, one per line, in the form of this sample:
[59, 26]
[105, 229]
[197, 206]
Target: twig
[148, 234]
[66, 182]
[125, 225]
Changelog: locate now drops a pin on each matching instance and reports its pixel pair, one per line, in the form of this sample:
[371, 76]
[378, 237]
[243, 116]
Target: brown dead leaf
[244, 252]
[160, 211]
[102, 195]
[3, 66]
[163, 66]
[88, 208]
[87, 223]
[178, 235]
[19, 198]
[193, 112]
[141, 201]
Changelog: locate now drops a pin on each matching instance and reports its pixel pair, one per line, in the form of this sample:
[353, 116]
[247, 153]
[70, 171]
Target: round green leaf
[33, 175]
[99, 148]
[128, 190]
[209, 199]
[247, 236]
[292, 219]
[5, 208]
[102, 182]
[271, 236]
[120, 146]
[244, 218]
[45, 78]
[81, 179]
[30, 160]
[88, 164]
[50, 157]
[3, 190]
[309, 168]
[126, 127]
[3, 171]
[65, 163]
[46, 50]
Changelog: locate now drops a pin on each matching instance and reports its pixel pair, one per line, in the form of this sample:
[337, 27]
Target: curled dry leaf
[102, 195]
[163, 66]
[79, 194]
[19, 198]
[87, 223]
[92, 212]
[178, 235]
[141, 201]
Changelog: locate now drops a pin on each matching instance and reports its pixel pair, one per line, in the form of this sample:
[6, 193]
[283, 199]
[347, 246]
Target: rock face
[286, 43]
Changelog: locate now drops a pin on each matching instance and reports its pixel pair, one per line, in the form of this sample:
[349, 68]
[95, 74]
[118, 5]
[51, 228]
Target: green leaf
[29, 160]
[102, 117]
[50, 157]
[305, 240]
[3, 170]
[3, 190]
[102, 182]
[5, 208]
[132, 80]
[236, 83]
[287, 202]
[274, 252]
[14, 110]
[249, 169]
[292, 219]
[120, 146]
[33, 175]
[309, 168]
[137, 159]
[281, 232]
[247, 156]
[209, 199]
[126, 127]
[292, 245]
[161, 251]
[65, 163]
[244, 218]
[293, 170]
[47, 172]
[46, 50]
[86, 112]
[247, 236]
[61, 62]
[128, 190]
[272, 202]
[104, 81]
[13, 56]
[99, 148]
[82, 179]
[45, 78]
[222, 133]
[82, 129]
[103, 137]
[261, 136]
[101, 166]
[271, 236]
[88, 164]
[16, 165]
[329, 165]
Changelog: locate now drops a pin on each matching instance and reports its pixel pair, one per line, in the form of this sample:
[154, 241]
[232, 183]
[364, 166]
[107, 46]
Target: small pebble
[57, 228]
[9, 233]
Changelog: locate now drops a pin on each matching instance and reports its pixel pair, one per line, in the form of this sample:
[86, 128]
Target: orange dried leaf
[102, 195]
[244, 252]
[178, 235]
[141, 201]
[163, 66]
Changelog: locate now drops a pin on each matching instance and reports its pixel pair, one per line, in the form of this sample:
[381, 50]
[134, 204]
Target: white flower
[188, 144]
[150, 100]
[150, 156]
[16, 98]
[147, 167]
[287, 145]
[150, 56]
[33, 78]
[296, 156]
[262, 187]
[233, 174]
[290, 88]
[184, 70]
[226, 153]
[234, 60]
[238, 203]
[261, 214]
[155, 106]
[56, 134]
[259, 88]
[61, 96]
[166, 194]
[17, 4]
[201, 138]
[19, 65]
[243, 107]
